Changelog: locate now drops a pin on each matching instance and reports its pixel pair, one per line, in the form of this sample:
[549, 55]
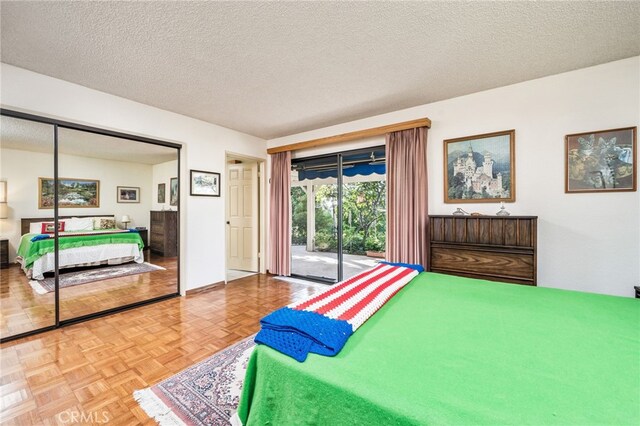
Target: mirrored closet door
[104, 237]
[26, 154]
[111, 196]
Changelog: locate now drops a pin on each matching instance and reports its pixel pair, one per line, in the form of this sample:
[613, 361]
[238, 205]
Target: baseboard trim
[204, 288]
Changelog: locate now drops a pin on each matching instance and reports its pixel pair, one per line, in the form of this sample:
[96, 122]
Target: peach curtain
[407, 214]
[280, 214]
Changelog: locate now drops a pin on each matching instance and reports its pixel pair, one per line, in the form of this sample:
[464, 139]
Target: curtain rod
[358, 134]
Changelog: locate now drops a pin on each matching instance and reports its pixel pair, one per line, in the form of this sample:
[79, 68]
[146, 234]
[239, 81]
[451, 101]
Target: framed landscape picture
[601, 161]
[162, 193]
[206, 184]
[128, 194]
[480, 168]
[173, 191]
[72, 193]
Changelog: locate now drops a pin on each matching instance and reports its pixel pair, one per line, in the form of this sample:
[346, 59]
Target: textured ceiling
[38, 137]
[276, 68]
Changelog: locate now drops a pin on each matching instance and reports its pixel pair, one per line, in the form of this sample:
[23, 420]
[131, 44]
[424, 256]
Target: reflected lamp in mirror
[125, 221]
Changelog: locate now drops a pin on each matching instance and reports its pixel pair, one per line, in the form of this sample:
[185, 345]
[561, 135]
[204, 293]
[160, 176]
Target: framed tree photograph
[162, 192]
[173, 192]
[205, 184]
[601, 161]
[480, 168]
[128, 194]
[72, 193]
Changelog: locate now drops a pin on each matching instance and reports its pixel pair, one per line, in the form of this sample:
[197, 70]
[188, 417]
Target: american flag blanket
[324, 323]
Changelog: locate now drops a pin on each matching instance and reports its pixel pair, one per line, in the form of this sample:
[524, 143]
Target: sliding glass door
[315, 220]
[338, 214]
[89, 222]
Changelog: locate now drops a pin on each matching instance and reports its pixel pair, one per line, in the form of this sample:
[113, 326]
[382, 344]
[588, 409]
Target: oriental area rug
[204, 394]
[84, 276]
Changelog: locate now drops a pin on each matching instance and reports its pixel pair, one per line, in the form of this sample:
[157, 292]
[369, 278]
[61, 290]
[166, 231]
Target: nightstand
[144, 234]
[4, 253]
[637, 291]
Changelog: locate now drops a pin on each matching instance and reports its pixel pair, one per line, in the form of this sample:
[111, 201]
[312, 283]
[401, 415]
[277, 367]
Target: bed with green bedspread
[36, 252]
[30, 250]
[452, 350]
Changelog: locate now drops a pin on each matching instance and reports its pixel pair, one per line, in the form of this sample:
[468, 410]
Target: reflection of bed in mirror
[84, 241]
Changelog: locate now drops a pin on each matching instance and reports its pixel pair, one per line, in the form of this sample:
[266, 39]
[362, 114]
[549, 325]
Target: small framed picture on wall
[173, 191]
[128, 194]
[206, 184]
[162, 192]
[601, 161]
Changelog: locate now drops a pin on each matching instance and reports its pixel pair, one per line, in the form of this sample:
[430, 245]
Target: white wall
[21, 170]
[202, 218]
[588, 242]
[162, 173]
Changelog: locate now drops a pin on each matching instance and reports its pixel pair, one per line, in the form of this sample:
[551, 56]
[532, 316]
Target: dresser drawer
[157, 241]
[157, 216]
[489, 263]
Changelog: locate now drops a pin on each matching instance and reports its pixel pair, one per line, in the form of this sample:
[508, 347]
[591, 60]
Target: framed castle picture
[601, 161]
[480, 168]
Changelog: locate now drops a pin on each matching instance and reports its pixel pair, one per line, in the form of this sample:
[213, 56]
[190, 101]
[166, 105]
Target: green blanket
[450, 350]
[30, 251]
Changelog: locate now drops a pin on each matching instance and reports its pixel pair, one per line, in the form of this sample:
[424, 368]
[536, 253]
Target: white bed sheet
[112, 254]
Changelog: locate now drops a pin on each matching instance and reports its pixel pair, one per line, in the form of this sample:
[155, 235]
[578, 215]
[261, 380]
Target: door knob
[228, 223]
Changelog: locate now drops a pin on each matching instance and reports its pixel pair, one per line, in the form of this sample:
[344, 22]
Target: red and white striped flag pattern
[358, 298]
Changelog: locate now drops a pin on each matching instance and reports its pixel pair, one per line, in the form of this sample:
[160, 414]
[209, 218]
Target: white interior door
[242, 216]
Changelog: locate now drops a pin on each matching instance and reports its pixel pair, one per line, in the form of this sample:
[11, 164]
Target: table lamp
[125, 220]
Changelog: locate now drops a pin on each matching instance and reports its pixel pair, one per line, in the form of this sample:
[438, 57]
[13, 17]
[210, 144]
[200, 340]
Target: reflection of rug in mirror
[204, 394]
[84, 276]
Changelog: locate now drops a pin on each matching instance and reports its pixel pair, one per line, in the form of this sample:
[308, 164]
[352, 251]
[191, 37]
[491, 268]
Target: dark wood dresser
[4, 253]
[496, 248]
[164, 233]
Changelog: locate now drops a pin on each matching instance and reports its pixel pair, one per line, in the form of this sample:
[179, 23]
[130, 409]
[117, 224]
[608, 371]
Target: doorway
[338, 225]
[244, 216]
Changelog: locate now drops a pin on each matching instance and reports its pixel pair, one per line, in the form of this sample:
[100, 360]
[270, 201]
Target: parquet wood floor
[92, 368]
[22, 309]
